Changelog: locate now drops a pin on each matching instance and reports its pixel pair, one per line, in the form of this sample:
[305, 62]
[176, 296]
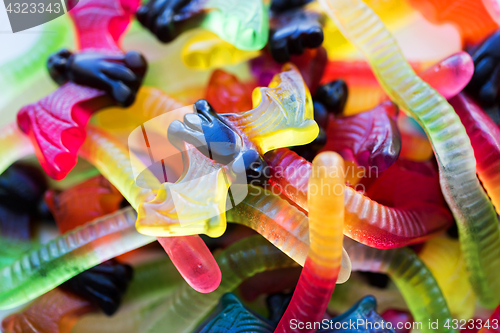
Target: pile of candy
[337, 166]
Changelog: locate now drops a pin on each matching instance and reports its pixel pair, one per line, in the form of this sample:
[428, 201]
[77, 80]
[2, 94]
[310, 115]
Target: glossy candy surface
[443, 258]
[321, 269]
[21, 189]
[448, 76]
[243, 24]
[266, 212]
[56, 123]
[485, 139]
[370, 139]
[115, 163]
[83, 203]
[104, 285]
[287, 102]
[232, 316]
[206, 50]
[457, 166]
[484, 85]
[118, 75]
[293, 31]
[413, 279]
[470, 17]
[400, 200]
[41, 269]
[53, 312]
[369, 222]
[227, 94]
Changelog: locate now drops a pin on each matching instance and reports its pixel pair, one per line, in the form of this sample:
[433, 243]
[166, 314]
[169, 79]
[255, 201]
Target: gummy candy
[55, 124]
[227, 94]
[470, 17]
[243, 23]
[371, 138]
[205, 50]
[414, 280]
[114, 163]
[292, 31]
[484, 83]
[321, 269]
[445, 261]
[366, 220]
[444, 131]
[83, 203]
[51, 313]
[57, 261]
[103, 284]
[484, 136]
[273, 217]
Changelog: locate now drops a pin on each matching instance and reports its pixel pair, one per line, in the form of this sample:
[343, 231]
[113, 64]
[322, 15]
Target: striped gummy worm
[473, 211]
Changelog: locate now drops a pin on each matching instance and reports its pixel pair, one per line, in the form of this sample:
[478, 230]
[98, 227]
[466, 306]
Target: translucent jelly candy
[14, 145]
[56, 123]
[239, 261]
[232, 315]
[484, 136]
[449, 76]
[443, 257]
[21, 188]
[287, 102]
[53, 312]
[36, 272]
[470, 17]
[83, 203]
[491, 326]
[227, 94]
[206, 50]
[20, 72]
[321, 269]
[283, 5]
[413, 279]
[370, 139]
[116, 164]
[242, 23]
[281, 223]
[149, 103]
[235, 317]
[475, 215]
[311, 64]
[367, 221]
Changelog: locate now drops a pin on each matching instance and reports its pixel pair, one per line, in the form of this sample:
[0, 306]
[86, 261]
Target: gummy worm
[476, 218]
[281, 223]
[485, 139]
[326, 218]
[39, 271]
[152, 282]
[181, 311]
[413, 279]
[366, 221]
[189, 254]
